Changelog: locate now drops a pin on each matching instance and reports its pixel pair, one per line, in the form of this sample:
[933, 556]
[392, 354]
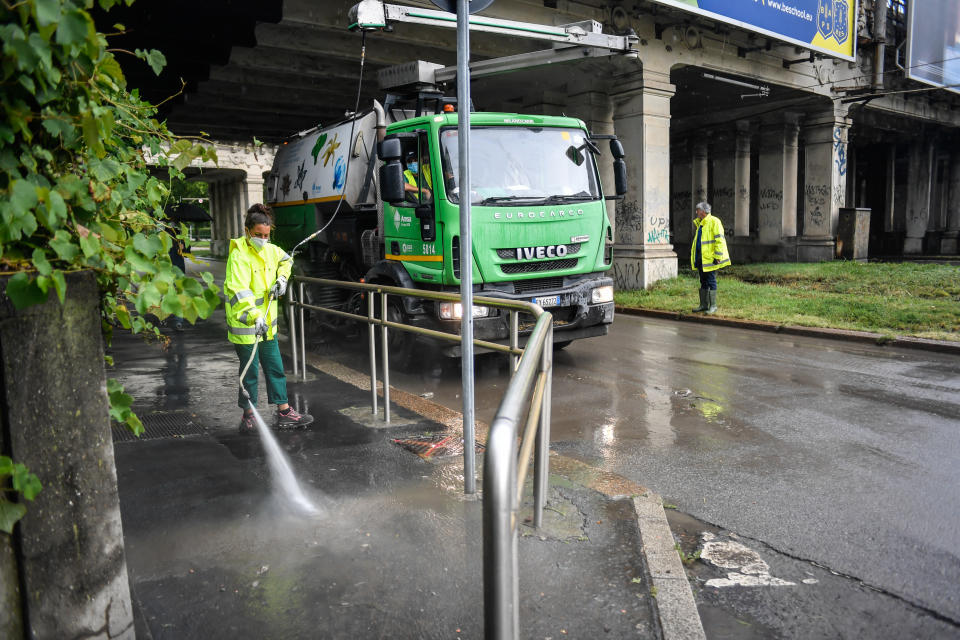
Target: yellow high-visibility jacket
[713, 245]
[250, 274]
[411, 179]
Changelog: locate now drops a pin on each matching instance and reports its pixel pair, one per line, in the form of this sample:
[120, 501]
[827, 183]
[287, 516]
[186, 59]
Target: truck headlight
[602, 294]
[454, 311]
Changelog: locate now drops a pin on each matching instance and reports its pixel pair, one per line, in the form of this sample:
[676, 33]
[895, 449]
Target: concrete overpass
[777, 138]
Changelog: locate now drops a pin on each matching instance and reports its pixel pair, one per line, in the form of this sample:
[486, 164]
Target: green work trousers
[268, 353]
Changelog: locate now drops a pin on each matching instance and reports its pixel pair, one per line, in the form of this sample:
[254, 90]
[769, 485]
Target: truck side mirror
[389, 149]
[616, 149]
[391, 182]
[620, 175]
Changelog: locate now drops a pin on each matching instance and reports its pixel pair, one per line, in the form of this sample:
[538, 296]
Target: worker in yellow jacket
[257, 273]
[708, 254]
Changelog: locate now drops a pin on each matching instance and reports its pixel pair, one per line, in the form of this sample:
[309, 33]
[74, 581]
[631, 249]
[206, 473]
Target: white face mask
[259, 243]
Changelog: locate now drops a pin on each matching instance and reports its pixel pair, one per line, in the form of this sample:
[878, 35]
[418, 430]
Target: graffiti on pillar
[656, 236]
[626, 275]
[629, 220]
[770, 199]
[839, 195]
[840, 151]
[682, 202]
[816, 217]
[722, 192]
[816, 194]
[743, 193]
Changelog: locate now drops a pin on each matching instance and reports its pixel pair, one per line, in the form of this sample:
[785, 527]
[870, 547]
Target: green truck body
[539, 221]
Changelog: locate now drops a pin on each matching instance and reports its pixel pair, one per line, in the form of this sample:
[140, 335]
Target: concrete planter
[68, 571]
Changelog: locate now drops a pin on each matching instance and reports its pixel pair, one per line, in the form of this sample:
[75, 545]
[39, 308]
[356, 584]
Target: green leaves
[74, 27]
[75, 189]
[24, 291]
[24, 483]
[154, 58]
[120, 403]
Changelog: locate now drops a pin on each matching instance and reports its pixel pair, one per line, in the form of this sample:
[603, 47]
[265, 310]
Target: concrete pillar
[252, 191]
[723, 196]
[949, 243]
[595, 108]
[548, 103]
[741, 207]
[825, 183]
[701, 173]
[643, 253]
[937, 223]
[889, 221]
[919, 189]
[220, 227]
[681, 196]
[777, 194]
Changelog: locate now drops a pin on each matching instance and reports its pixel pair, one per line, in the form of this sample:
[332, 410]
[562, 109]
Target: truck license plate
[547, 301]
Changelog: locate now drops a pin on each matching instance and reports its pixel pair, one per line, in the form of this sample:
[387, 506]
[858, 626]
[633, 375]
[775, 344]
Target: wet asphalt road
[840, 458]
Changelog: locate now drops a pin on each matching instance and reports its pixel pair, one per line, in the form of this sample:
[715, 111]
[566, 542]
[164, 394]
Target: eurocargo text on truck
[389, 200]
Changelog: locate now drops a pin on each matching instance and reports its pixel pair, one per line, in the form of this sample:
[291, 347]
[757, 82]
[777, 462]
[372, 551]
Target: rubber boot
[704, 304]
[712, 297]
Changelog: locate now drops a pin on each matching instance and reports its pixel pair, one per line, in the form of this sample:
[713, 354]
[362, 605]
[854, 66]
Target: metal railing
[505, 470]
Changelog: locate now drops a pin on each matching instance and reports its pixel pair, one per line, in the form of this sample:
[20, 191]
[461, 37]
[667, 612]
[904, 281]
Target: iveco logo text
[539, 253]
[526, 215]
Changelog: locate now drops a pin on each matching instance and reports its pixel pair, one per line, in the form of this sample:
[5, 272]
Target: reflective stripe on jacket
[250, 274]
[713, 245]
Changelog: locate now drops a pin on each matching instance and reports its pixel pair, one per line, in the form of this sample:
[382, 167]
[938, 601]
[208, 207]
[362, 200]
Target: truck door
[413, 227]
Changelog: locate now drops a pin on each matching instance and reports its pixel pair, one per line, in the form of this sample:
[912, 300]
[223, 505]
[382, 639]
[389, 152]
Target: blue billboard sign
[826, 26]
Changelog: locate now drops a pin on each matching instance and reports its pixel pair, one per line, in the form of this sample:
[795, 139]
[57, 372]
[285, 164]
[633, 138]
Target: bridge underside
[779, 144]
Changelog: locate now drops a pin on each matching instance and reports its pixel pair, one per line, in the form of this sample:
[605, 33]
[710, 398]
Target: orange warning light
[448, 108]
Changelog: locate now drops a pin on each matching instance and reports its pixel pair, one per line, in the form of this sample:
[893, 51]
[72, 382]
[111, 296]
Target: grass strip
[892, 299]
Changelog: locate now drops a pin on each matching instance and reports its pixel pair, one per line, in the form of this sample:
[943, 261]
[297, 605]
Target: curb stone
[867, 337]
[673, 601]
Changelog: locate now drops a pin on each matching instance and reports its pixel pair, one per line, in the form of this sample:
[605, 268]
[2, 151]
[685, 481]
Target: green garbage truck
[383, 186]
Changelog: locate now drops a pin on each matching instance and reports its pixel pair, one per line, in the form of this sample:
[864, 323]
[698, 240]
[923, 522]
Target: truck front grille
[539, 284]
[511, 254]
[536, 267]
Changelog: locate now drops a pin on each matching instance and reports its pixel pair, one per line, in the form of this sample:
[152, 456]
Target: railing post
[372, 333]
[386, 358]
[501, 610]
[514, 340]
[292, 328]
[541, 460]
[303, 336]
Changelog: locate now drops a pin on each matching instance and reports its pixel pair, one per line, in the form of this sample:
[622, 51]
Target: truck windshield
[522, 165]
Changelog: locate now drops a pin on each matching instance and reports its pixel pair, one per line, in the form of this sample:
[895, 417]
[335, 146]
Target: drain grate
[437, 445]
[171, 424]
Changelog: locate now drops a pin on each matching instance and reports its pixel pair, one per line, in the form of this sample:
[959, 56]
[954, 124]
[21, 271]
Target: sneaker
[292, 420]
[247, 424]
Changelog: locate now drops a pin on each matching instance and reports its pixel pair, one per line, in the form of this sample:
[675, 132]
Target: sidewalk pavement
[214, 551]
